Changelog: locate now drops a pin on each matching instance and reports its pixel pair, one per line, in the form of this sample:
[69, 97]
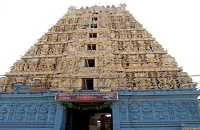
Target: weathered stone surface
[124, 54]
[136, 109]
[107, 45]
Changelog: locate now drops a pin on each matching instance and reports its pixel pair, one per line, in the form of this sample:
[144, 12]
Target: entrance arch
[89, 119]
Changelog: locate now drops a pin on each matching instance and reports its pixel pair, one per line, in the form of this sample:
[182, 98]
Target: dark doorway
[89, 62]
[91, 47]
[93, 35]
[87, 84]
[89, 119]
[94, 18]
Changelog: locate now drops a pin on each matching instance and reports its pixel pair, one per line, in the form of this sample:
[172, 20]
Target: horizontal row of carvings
[28, 112]
[149, 111]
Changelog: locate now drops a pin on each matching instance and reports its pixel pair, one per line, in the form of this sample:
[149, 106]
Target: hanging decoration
[98, 107]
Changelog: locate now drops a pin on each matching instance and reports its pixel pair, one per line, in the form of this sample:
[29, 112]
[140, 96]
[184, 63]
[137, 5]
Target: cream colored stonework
[125, 55]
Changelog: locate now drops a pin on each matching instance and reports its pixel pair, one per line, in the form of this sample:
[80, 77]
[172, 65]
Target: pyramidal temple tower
[98, 48]
[97, 68]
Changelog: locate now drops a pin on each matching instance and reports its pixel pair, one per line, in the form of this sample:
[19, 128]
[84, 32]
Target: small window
[94, 19]
[91, 47]
[93, 26]
[87, 84]
[93, 35]
[89, 62]
[95, 13]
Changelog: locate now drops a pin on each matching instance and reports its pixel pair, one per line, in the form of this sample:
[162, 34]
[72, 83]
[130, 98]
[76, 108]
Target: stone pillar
[115, 116]
[79, 83]
[60, 118]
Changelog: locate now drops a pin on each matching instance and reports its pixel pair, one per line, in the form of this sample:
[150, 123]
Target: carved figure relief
[31, 113]
[147, 111]
[193, 111]
[123, 111]
[19, 116]
[134, 111]
[122, 45]
[160, 109]
[43, 113]
[181, 111]
[3, 112]
[10, 114]
[52, 113]
[171, 111]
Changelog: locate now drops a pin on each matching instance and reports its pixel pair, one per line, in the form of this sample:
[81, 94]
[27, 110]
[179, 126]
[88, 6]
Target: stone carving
[3, 112]
[123, 111]
[52, 113]
[43, 113]
[171, 110]
[160, 109]
[147, 110]
[121, 45]
[134, 111]
[31, 113]
[181, 111]
[10, 113]
[193, 111]
[19, 116]
[132, 107]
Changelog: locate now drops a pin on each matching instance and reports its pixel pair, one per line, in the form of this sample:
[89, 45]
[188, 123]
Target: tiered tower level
[100, 48]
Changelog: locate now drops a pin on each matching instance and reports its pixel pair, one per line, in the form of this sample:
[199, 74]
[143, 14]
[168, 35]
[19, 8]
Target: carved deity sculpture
[134, 111]
[43, 113]
[3, 111]
[121, 45]
[147, 111]
[123, 111]
[31, 113]
[19, 113]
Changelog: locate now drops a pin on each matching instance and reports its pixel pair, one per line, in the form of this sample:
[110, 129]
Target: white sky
[174, 23]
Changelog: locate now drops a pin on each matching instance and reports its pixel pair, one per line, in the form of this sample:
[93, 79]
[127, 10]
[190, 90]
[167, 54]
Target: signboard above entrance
[86, 96]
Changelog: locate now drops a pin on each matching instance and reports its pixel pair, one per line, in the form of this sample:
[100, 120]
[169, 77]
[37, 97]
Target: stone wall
[155, 109]
[123, 53]
[30, 111]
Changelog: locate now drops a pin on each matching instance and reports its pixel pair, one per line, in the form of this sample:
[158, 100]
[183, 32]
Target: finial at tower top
[122, 5]
[71, 8]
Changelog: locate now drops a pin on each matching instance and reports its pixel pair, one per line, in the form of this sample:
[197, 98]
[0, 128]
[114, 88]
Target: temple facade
[97, 68]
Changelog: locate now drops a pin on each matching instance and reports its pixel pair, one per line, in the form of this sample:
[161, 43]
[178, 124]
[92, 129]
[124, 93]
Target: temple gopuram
[97, 68]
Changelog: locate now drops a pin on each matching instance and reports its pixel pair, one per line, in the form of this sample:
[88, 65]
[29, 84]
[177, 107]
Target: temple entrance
[89, 119]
